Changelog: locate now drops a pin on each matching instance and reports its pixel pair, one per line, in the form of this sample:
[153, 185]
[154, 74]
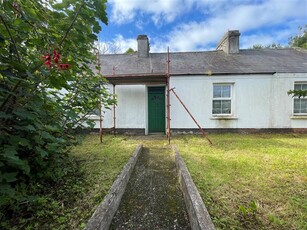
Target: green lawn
[100, 165]
[250, 181]
[246, 181]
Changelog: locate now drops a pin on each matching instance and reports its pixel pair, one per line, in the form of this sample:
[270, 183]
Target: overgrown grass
[69, 203]
[246, 181]
[250, 181]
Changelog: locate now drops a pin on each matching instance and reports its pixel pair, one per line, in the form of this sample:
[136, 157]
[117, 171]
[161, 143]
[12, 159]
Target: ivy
[41, 107]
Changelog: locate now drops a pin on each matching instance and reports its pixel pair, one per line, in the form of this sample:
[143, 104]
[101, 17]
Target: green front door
[156, 109]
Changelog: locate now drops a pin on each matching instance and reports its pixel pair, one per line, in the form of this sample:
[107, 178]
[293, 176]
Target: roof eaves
[220, 73]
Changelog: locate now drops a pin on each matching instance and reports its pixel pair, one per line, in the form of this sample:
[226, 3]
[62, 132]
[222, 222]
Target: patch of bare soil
[152, 199]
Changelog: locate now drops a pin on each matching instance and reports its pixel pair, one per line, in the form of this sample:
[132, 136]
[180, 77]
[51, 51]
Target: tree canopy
[47, 87]
[130, 51]
[299, 40]
[271, 46]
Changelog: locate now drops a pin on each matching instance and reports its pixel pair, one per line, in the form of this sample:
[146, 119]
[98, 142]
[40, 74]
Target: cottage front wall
[247, 96]
[130, 109]
[285, 104]
[259, 101]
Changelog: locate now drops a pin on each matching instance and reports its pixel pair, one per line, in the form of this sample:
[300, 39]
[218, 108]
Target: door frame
[146, 107]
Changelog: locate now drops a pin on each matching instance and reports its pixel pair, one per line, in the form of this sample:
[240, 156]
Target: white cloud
[165, 11]
[160, 11]
[277, 37]
[248, 16]
[118, 45]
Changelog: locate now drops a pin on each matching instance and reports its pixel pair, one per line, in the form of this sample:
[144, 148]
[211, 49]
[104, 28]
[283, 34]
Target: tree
[47, 87]
[271, 46]
[130, 51]
[300, 40]
[113, 47]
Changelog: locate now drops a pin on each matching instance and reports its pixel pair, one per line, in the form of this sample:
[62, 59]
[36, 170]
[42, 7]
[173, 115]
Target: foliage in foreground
[69, 202]
[40, 104]
[250, 181]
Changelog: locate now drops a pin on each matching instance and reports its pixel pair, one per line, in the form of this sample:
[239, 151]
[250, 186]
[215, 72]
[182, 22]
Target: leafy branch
[34, 141]
[71, 25]
[11, 37]
[298, 93]
[16, 86]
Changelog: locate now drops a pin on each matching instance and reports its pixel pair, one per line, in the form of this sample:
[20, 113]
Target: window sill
[223, 118]
[299, 117]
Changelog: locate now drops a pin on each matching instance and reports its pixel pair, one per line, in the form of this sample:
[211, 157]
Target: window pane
[217, 107]
[217, 91]
[222, 92]
[226, 91]
[297, 86]
[226, 107]
[304, 86]
[297, 105]
[303, 105]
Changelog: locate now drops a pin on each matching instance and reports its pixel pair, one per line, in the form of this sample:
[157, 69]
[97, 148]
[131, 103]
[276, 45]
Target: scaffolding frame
[154, 79]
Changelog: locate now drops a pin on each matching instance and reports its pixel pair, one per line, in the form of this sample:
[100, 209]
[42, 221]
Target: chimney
[230, 42]
[143, 46]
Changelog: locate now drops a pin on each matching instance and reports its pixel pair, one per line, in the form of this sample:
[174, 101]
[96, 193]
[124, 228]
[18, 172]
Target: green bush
[40, 104]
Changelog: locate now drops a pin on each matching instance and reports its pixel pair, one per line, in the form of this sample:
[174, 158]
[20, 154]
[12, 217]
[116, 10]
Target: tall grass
[250, 181]
[246, 181]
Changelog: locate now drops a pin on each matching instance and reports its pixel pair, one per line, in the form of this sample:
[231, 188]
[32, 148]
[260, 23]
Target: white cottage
[229, 89]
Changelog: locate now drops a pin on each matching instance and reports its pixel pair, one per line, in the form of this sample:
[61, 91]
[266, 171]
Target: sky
[198, 25]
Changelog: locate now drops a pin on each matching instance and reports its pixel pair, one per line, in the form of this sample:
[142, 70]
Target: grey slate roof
[248, 61]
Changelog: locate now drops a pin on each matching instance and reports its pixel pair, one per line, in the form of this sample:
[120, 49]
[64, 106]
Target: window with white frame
[222, 97]
[300, 104]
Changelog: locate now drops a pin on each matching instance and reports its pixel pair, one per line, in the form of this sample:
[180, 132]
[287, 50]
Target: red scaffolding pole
[114, 112]
[99, 101]
[200, 128]
[100, 121]
[168, 104]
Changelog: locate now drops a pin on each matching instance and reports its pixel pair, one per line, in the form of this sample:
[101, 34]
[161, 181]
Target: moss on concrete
[152, 199]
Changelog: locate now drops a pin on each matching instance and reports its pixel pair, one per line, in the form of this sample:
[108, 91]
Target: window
[300, 104]
[221, 104]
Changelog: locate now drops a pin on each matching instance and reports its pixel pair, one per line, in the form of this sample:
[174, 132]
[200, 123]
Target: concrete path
[152, 199]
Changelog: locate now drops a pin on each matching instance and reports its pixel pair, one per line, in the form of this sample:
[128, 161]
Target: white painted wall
[259, 101]
[130, 109]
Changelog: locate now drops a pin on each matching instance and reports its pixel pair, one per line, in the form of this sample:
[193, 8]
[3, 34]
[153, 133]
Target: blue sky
[194, 25]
